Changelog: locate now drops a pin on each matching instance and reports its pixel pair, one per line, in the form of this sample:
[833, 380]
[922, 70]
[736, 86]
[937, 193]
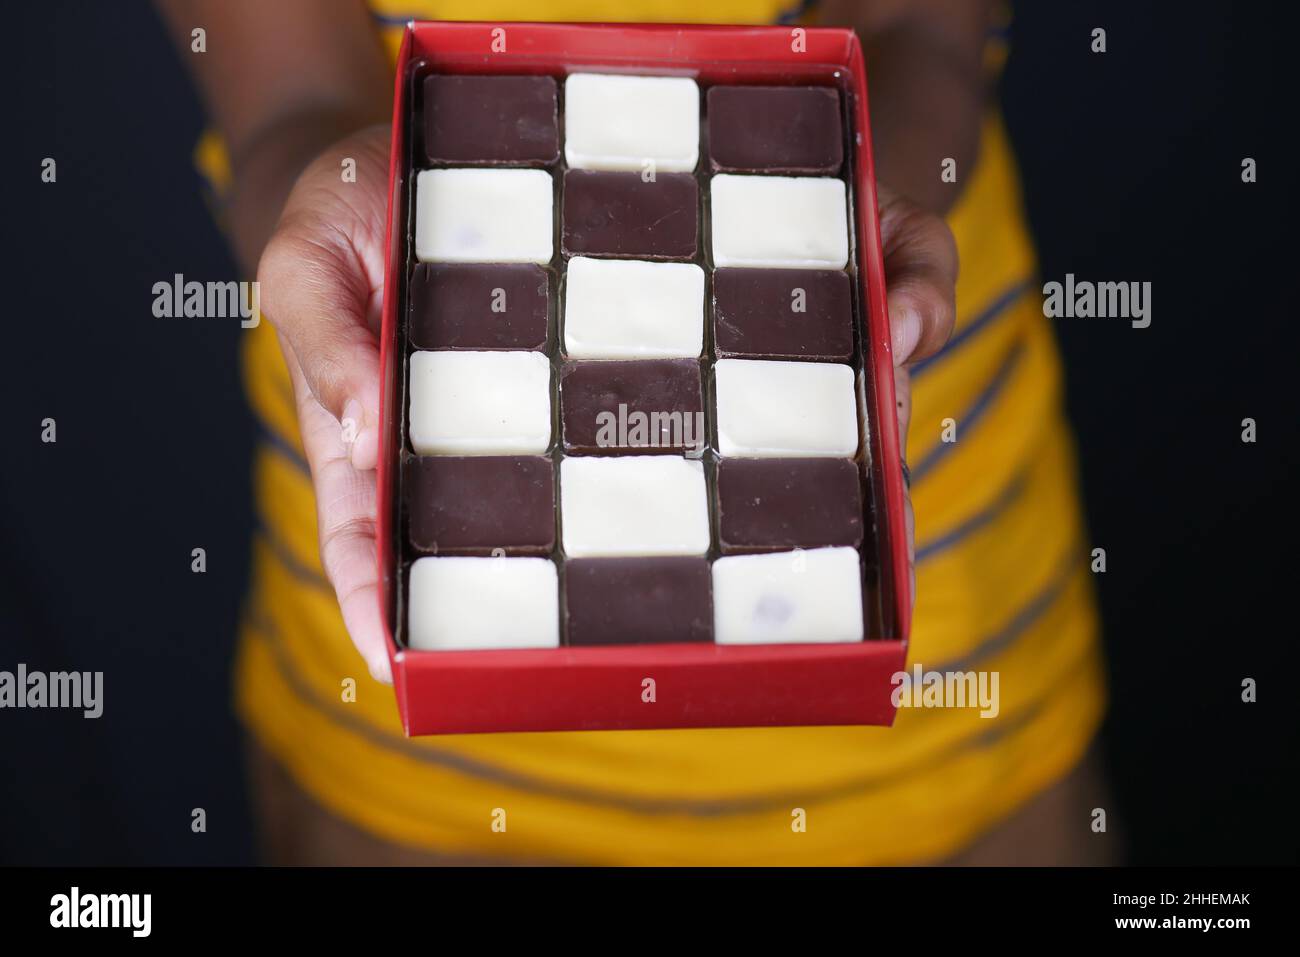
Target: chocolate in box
[665, 670]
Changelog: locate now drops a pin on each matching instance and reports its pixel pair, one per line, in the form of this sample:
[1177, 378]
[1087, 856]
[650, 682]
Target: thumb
[316, 293]
[921, 276]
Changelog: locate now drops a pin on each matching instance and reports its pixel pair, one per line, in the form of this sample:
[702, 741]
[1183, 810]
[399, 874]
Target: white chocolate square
[480, 403]
[633, 505]
[771, 408]
[629, 309]
[804, 596]
[631, 122]
[480, 603]
[791, 222]
[484, 215]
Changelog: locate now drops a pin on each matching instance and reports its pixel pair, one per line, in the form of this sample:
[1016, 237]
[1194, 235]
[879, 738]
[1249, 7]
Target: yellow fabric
[1001, 585]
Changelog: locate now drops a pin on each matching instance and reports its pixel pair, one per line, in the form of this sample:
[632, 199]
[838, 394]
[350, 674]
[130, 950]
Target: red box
[697, 685]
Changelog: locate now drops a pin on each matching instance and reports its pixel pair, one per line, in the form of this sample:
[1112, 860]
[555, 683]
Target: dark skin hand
[291, 112]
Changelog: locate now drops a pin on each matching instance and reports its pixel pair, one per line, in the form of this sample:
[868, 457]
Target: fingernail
[360, 435]
[365, 450]
[381, 670]
[353, 421]
[905, 329]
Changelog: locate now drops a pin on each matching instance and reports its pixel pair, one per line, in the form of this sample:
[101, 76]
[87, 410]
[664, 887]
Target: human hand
[322, 277]
[921, 286]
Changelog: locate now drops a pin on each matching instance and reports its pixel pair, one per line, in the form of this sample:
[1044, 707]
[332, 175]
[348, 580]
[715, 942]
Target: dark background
[1132, 172]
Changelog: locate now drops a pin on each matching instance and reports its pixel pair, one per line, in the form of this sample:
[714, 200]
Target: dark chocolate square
[783, 314]
[775, 129]
[479, 306]
[621, 214]
[617, 601]
[473, 505]
[491, 119]
[639, 406]
[771, 504]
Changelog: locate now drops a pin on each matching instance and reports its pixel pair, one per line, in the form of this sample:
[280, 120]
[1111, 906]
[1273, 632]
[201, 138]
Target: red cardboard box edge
[602, 688]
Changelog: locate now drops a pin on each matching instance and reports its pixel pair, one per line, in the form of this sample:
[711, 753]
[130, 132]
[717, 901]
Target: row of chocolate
[499, 403]
[505, 215]
[467, 604]
[628, 505]
[625, 309]
[617, 122]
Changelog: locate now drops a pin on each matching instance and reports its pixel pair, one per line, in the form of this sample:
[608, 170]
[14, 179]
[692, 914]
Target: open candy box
[640, 464]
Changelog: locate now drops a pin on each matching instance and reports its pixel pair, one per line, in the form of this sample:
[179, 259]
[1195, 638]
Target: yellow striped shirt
[1001, 585]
